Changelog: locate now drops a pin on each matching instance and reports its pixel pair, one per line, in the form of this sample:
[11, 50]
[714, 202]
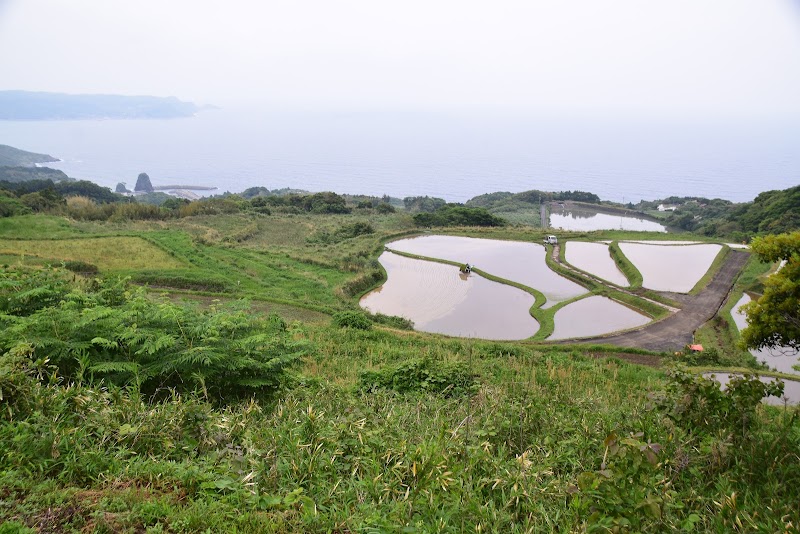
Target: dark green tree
[774, 319]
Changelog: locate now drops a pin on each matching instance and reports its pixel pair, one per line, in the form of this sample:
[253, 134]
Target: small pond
[585, 220]
[439, 299]
[780, 358]
[594, 258]
[513, 260]
[791, 388]
[594, 316]
[675, 268]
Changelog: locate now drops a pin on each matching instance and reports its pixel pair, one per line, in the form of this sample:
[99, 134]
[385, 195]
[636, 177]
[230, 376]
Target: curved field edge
[546, 316]
[632, 301]
[535, 310]
[562, 257]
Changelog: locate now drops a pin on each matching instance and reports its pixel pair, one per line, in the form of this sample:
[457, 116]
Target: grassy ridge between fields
[638, 304]
[626, 266]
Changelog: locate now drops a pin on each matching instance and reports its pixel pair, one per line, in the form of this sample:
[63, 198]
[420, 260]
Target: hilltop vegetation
[524, 208]
[30, 174]
[771, 212]
[204, 365]
[14, 157]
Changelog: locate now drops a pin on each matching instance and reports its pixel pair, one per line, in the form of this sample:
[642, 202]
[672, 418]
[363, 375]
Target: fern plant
[121, 336]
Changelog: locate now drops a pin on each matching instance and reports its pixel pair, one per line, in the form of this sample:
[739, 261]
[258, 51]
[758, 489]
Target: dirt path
[677, 330]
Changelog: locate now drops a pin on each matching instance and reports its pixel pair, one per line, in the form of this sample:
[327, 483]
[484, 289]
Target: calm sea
[404, 154]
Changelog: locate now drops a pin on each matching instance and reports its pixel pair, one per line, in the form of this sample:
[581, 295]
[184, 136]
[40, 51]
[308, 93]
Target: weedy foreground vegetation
[150, 397]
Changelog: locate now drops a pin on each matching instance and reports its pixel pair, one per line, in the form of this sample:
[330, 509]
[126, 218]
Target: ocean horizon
[416, 154]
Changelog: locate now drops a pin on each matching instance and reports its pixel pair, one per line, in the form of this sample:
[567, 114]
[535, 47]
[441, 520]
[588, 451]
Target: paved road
[676, 331]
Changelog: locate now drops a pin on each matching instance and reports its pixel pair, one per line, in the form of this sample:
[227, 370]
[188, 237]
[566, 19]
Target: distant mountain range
[27, 105]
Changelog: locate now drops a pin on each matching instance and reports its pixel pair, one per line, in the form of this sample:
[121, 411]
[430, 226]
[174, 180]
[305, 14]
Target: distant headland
[37, 106]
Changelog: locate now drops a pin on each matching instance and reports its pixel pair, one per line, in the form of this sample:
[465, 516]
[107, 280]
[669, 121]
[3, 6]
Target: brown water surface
[674, 268]
[513, 260]
[594, 258]
[594, 316]
[438, 298]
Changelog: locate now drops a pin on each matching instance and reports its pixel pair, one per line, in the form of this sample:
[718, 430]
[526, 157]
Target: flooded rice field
[791, 388]
[780, 358]
[594, 316]
[594, 258]
[440, 299]
[675, 268]
[581, 220]
[660, 242]
[513, 260]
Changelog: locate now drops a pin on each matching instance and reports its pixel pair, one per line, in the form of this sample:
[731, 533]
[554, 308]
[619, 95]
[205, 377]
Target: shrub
[457, 215]
[700, 406]
[352, 319]
[627, 492]
[362, 283]
[421, 375]
[81, 267]
[401, 323]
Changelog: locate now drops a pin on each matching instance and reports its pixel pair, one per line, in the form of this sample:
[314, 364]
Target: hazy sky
[665, 57]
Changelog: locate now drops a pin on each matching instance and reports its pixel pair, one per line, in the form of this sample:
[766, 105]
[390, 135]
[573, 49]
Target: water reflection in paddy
[594, 258]
[670, 267]
[791, 388]
[440, 299]
[594, 316]
[513, 260]
[588, 220]
[780, 358]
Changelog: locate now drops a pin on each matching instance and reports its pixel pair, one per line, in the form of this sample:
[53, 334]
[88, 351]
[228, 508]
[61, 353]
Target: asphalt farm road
[677, 330]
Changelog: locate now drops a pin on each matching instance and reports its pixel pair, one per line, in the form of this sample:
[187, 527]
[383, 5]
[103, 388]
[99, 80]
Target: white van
[551, 240]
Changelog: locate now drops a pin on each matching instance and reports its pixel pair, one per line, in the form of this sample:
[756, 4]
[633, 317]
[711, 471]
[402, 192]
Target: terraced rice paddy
[594, 316]
[440, 299]
[513, 260]
[437, 298]
[587, 220]
[595, 259]
[675, 268]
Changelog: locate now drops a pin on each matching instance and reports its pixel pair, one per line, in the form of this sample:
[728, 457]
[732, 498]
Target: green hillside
[13, 157]
[205, 366]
